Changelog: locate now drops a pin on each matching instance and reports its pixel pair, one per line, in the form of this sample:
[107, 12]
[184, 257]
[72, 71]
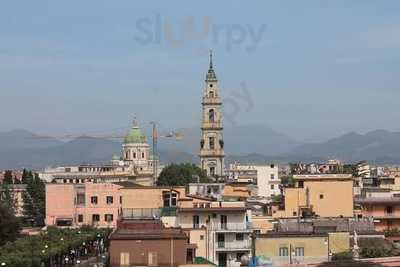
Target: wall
[315, 248]
[139, 250]
[59, 202]
[330, 205]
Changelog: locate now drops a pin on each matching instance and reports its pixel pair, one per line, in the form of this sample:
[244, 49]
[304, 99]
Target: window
[211, 141]
[95, 217]
[80, 199]
[201, 237]
[211, 116]
[301, 184]
[389, 209]
[239, 256]
[283, 252]
[299, 252]
[272, 186]
[93, 200]
[109, 199]
[134, 155]
[211, 94]
[124, 259]
[196, 221]
[272, 176]
[321, 196]
[224, 222]
[108, 217]
[142, 155]
[239, 237]
[120, 200]
[294, 213]
[212, 171]
[169, 199]
[153, 261]
[80, 218]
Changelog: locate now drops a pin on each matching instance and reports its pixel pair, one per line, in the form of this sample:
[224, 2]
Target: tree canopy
[34, 199]
[9, 224]
[181, 174]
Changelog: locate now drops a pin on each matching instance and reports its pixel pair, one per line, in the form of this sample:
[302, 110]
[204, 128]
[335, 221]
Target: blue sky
[317, 69]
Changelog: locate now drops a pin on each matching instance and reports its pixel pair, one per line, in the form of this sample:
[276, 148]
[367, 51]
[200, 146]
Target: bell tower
[212, 142]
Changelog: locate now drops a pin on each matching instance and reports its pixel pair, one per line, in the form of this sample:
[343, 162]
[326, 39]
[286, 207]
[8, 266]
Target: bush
[341, 256]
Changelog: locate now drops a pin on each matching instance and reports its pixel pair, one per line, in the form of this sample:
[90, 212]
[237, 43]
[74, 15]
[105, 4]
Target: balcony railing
[231, 227]
[141, 213]
[209, 152]
[169, 211]
[234, 245]
[207, 125]
[214, 100]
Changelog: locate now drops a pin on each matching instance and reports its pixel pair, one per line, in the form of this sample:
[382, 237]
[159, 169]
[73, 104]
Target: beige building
[282, 249]
[323, 195]
[16, 192]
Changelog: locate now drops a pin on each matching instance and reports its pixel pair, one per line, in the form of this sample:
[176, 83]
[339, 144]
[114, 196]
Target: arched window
[211, 94]
[211, 115]
[127, 154]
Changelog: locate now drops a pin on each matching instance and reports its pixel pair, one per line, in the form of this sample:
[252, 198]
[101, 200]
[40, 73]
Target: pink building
[385, 211]
[95, 204]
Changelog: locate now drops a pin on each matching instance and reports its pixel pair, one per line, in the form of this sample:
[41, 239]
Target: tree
[7, 196]
[26, 176]
[34, 200]
[8, 179]
[287, 181]
[181, 174]
[9, 225]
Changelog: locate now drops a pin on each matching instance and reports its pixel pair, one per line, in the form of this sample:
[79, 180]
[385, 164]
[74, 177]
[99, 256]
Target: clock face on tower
[212, 143]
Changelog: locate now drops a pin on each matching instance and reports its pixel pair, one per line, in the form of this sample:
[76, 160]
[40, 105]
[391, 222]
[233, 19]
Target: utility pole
[155, 151]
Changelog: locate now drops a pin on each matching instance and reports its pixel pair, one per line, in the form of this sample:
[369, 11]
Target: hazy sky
[310, 69]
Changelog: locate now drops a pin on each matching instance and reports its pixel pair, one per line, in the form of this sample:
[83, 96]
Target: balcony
[211, 153]
[141, 213]
[169, 211]
[236, 245]
[231, 227]
[213, 100]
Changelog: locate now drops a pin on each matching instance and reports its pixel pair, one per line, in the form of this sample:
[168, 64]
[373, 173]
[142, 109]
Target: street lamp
[3, 264]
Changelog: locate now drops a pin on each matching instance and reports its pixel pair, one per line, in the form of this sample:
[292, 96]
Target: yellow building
[300, 248]
[326, 195]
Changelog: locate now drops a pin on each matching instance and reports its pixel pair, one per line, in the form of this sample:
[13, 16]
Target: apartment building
[265, 177]
[145, 242]
[83, 204]
[220, 229]
[382, 206]
[283, 249]
[323, 195]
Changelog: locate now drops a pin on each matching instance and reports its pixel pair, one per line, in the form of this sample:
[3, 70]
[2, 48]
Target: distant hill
[378, 146]
[246, 144]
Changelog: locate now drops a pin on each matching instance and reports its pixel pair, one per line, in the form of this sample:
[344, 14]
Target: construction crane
[154, 135]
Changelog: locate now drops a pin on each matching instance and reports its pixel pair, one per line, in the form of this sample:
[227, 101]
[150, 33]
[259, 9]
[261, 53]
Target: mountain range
[247, 144]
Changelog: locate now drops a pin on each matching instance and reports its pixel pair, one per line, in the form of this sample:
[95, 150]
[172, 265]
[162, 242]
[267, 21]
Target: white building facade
[266, 177]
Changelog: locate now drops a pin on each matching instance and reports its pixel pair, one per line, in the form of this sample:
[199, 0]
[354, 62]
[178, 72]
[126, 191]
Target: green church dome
[135, 135]
[116, 157]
